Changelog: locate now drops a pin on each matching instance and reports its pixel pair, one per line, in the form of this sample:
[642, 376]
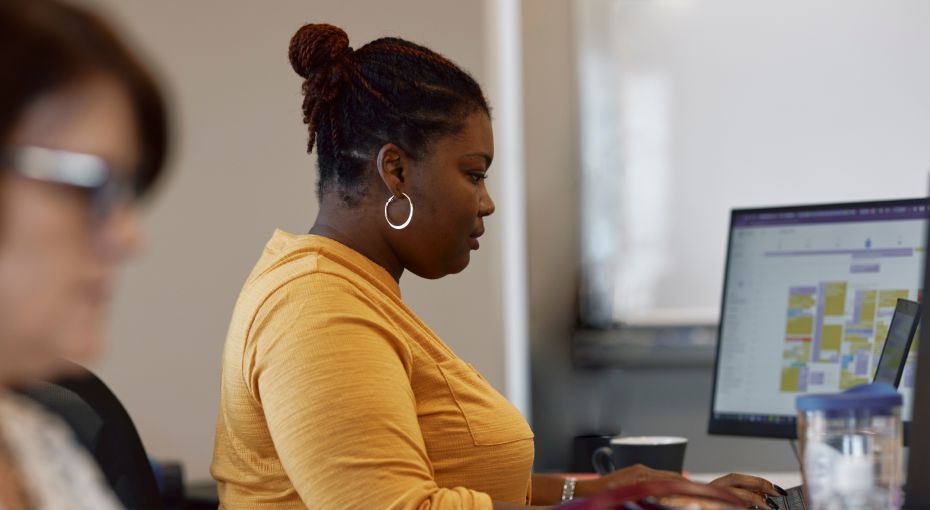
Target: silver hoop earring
[409, 216]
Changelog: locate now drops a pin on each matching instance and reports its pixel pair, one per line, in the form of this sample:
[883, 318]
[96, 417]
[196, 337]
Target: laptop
[898, 343]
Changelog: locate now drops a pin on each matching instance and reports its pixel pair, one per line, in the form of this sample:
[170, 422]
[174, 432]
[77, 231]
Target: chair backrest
[102, 425]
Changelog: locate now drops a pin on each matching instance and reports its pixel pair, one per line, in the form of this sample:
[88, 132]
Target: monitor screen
[897, 345]
[808, 297]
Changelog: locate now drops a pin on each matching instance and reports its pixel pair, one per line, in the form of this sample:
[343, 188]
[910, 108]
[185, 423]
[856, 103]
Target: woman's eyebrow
[485, 156]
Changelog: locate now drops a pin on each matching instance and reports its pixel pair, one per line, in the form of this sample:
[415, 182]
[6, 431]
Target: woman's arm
[500, 505]
[547, 489]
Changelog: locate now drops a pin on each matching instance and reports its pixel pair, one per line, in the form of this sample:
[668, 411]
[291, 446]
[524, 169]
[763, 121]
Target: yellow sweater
[336, 396]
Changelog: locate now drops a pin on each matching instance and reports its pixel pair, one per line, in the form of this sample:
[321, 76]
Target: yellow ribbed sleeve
[335, 395]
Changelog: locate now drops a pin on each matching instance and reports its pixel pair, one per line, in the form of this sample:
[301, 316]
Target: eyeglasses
[106, 188]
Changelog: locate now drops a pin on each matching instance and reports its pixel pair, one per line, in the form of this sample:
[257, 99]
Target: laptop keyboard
[793, 501]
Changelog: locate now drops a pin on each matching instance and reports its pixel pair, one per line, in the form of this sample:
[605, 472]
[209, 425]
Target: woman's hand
[753, 490]
[622, 477]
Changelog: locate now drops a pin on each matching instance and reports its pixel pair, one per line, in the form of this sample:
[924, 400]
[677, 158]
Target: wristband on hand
[568, 489]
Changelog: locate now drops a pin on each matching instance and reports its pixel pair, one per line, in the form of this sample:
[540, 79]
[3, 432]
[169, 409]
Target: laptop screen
[898, 343]
[809, 294]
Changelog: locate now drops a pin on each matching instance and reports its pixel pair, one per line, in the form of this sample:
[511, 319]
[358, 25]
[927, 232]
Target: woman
[334, 394]
[82, 139]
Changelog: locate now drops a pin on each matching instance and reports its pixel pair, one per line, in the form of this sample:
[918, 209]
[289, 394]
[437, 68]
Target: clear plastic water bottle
[851, 448]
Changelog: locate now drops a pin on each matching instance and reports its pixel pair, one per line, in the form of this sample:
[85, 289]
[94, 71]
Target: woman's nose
[120, 236]
[486, 205]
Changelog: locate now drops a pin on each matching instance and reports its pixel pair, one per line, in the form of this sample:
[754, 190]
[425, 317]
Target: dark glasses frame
[106, 187]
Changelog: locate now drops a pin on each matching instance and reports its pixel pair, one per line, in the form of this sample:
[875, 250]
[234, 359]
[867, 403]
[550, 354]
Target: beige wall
[552, 209]
[239, 171]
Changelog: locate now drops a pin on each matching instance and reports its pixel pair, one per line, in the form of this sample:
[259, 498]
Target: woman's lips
[473, 239]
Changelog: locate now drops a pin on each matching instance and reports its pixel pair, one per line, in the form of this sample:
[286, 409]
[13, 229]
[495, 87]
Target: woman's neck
[353, 227]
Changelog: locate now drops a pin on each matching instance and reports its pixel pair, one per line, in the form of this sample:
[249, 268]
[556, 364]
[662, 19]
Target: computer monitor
[808, 295]
[897, 345]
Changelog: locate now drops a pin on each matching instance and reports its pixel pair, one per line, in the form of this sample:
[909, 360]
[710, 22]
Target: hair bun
[317, 46]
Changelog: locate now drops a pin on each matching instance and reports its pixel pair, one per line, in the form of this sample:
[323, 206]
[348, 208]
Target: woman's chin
[461, 267]
[460, 263]
[435, 273]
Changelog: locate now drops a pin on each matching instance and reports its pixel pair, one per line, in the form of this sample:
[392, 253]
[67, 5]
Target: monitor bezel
[787, 429]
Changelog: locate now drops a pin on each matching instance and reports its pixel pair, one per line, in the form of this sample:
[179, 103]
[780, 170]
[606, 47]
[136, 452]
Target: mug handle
[600, 460]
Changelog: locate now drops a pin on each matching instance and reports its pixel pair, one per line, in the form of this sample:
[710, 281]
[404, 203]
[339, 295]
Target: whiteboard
[689, 108]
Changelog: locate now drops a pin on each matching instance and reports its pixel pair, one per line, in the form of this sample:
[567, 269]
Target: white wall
[239, 170]
[703, 106]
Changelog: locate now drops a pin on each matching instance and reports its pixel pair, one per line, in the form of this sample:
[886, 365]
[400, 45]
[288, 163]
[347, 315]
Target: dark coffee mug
[583, 447]
[658, 452]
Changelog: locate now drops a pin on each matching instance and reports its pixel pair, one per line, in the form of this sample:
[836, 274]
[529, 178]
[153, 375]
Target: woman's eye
[477, 177]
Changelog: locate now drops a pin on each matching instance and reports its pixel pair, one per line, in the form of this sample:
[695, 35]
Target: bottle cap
[865, 396]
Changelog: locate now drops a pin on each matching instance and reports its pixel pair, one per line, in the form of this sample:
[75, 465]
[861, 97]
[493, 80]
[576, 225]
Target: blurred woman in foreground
[83, 137]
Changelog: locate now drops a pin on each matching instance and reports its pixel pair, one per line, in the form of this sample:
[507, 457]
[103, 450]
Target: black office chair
[102, 425]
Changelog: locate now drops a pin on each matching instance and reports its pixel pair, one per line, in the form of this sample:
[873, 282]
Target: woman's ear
[393, 168]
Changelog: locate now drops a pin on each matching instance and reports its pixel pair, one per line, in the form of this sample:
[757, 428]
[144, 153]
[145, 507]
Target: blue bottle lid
[864, 396]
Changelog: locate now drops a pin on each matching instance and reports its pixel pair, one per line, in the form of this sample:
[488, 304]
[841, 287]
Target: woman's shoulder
[29, 424]
[57, 471]
[303, 264]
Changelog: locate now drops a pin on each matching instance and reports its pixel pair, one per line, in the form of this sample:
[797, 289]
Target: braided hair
[388, 91]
